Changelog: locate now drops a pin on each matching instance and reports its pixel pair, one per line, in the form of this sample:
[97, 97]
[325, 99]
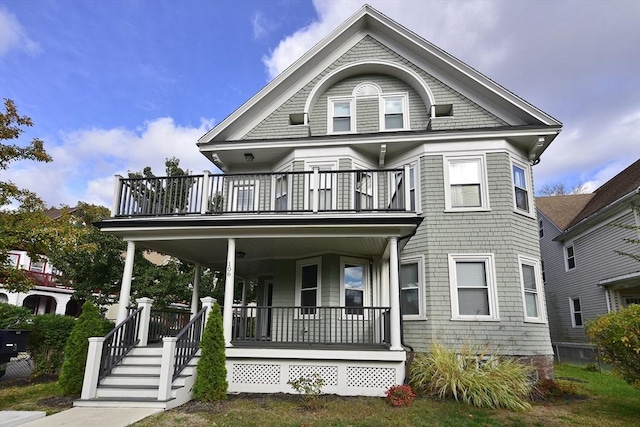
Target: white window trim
[298, 297]
[565, 251]
[529, 182]
[274, 180]
[490, 269]
[374, 190]
[484, 191]
[405, 111]
[523, 260]
[309, 166]
[235, 186]
[573, 313]
[421, 288]
[352, 108]
[365, 281]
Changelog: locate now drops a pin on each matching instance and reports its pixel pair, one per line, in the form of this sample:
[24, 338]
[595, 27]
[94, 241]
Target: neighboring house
[584, 275]
[379, 192]
[48, 294]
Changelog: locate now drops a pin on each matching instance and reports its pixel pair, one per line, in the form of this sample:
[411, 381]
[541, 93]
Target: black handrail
[188, 342]
[119, 342]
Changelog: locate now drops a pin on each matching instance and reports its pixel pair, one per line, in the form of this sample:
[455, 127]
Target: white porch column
[117, 194]
[145, 316]
[61, 303]
[230, 274]
[125, 289]
[207, 302]
[194, 295]
[92, 368]
[394, 295]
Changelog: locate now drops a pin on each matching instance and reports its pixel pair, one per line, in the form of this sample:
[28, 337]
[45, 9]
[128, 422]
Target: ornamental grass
[474, 376]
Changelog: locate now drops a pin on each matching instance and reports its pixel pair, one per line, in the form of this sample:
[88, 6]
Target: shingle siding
[500, 231]
[466, 113]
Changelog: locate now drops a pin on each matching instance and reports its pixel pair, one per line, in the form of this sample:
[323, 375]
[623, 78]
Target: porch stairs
[134, 383]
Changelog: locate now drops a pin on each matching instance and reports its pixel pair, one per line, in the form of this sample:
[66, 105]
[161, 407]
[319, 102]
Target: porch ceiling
[260, 241]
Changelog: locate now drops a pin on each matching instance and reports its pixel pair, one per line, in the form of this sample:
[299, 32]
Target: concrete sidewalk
[94, 417]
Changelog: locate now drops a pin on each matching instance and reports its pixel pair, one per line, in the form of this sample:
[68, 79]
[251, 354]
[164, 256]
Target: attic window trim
[439, 111]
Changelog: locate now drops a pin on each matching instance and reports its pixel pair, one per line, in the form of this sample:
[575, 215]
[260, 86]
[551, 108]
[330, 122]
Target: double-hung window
[521, 193]
[570, 257]
[466, 184]
[411, 288]
[531, 290]
[363, 190]
[341, 115]
[354, 285]
[576, 312]
[308, 285]
[394, 112]
[473, 287]
[244, 195]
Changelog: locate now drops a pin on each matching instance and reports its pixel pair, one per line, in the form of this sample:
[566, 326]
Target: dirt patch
[58, 402]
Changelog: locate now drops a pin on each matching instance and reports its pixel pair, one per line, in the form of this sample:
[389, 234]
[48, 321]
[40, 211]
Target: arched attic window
[392, 109]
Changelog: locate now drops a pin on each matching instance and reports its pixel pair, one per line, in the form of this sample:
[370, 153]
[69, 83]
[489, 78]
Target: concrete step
[115, 402]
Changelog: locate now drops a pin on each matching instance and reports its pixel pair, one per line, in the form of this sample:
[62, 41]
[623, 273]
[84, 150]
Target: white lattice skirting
[346, 373]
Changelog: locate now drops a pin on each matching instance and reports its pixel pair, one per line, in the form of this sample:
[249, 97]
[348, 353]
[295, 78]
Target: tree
[634, 241]
[93, 268]
[561, 189]
[154, 195]
[23, 223]
[211, 381]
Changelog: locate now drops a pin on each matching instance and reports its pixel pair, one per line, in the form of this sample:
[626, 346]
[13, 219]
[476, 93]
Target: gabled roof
[368, 21]
[568, 211]
[55, 213]
[621, 185]
[561, 210]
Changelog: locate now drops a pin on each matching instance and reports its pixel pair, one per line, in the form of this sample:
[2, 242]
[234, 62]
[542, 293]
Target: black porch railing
[188, 342]
[166, 323]
[362, 326]
[119, 342]
[372, 190]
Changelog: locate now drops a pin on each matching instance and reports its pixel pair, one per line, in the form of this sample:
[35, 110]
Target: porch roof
[260, 240]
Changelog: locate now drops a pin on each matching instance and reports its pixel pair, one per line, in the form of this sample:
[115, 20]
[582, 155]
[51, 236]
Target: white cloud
[85, 161]
[14, 36]
[261, 26]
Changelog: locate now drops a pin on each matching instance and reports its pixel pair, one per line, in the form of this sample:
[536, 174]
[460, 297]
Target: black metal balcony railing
[166, 323]
[310, 191]
[365, 326]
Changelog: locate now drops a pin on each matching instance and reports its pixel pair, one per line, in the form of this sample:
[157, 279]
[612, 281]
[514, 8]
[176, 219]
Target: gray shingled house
[584, 275]
[379, 192]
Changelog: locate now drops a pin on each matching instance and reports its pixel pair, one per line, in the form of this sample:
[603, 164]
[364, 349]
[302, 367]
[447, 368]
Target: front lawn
[594, 399]
[586, 398]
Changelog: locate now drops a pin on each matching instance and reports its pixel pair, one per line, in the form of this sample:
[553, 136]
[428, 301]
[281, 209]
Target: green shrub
[474, 376]
[49, 334]
[617, 337]
[211, 382]
[14, 317]
[89, 324]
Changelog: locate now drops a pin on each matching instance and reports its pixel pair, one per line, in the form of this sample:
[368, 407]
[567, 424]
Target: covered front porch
[327, 300]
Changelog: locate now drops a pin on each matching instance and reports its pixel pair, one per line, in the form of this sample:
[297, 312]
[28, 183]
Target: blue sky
[113, 86]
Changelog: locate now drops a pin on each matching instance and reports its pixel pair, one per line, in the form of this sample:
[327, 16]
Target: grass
[600, 400]
[42, 396]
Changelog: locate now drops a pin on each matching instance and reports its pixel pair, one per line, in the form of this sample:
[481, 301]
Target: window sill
[481, 209]
[538, 321]
[524, 213]
[410, 318]
[475, 319]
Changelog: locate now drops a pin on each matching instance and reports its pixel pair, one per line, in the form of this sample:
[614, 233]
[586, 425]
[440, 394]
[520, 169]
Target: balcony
[44, 279]
[349, 191]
